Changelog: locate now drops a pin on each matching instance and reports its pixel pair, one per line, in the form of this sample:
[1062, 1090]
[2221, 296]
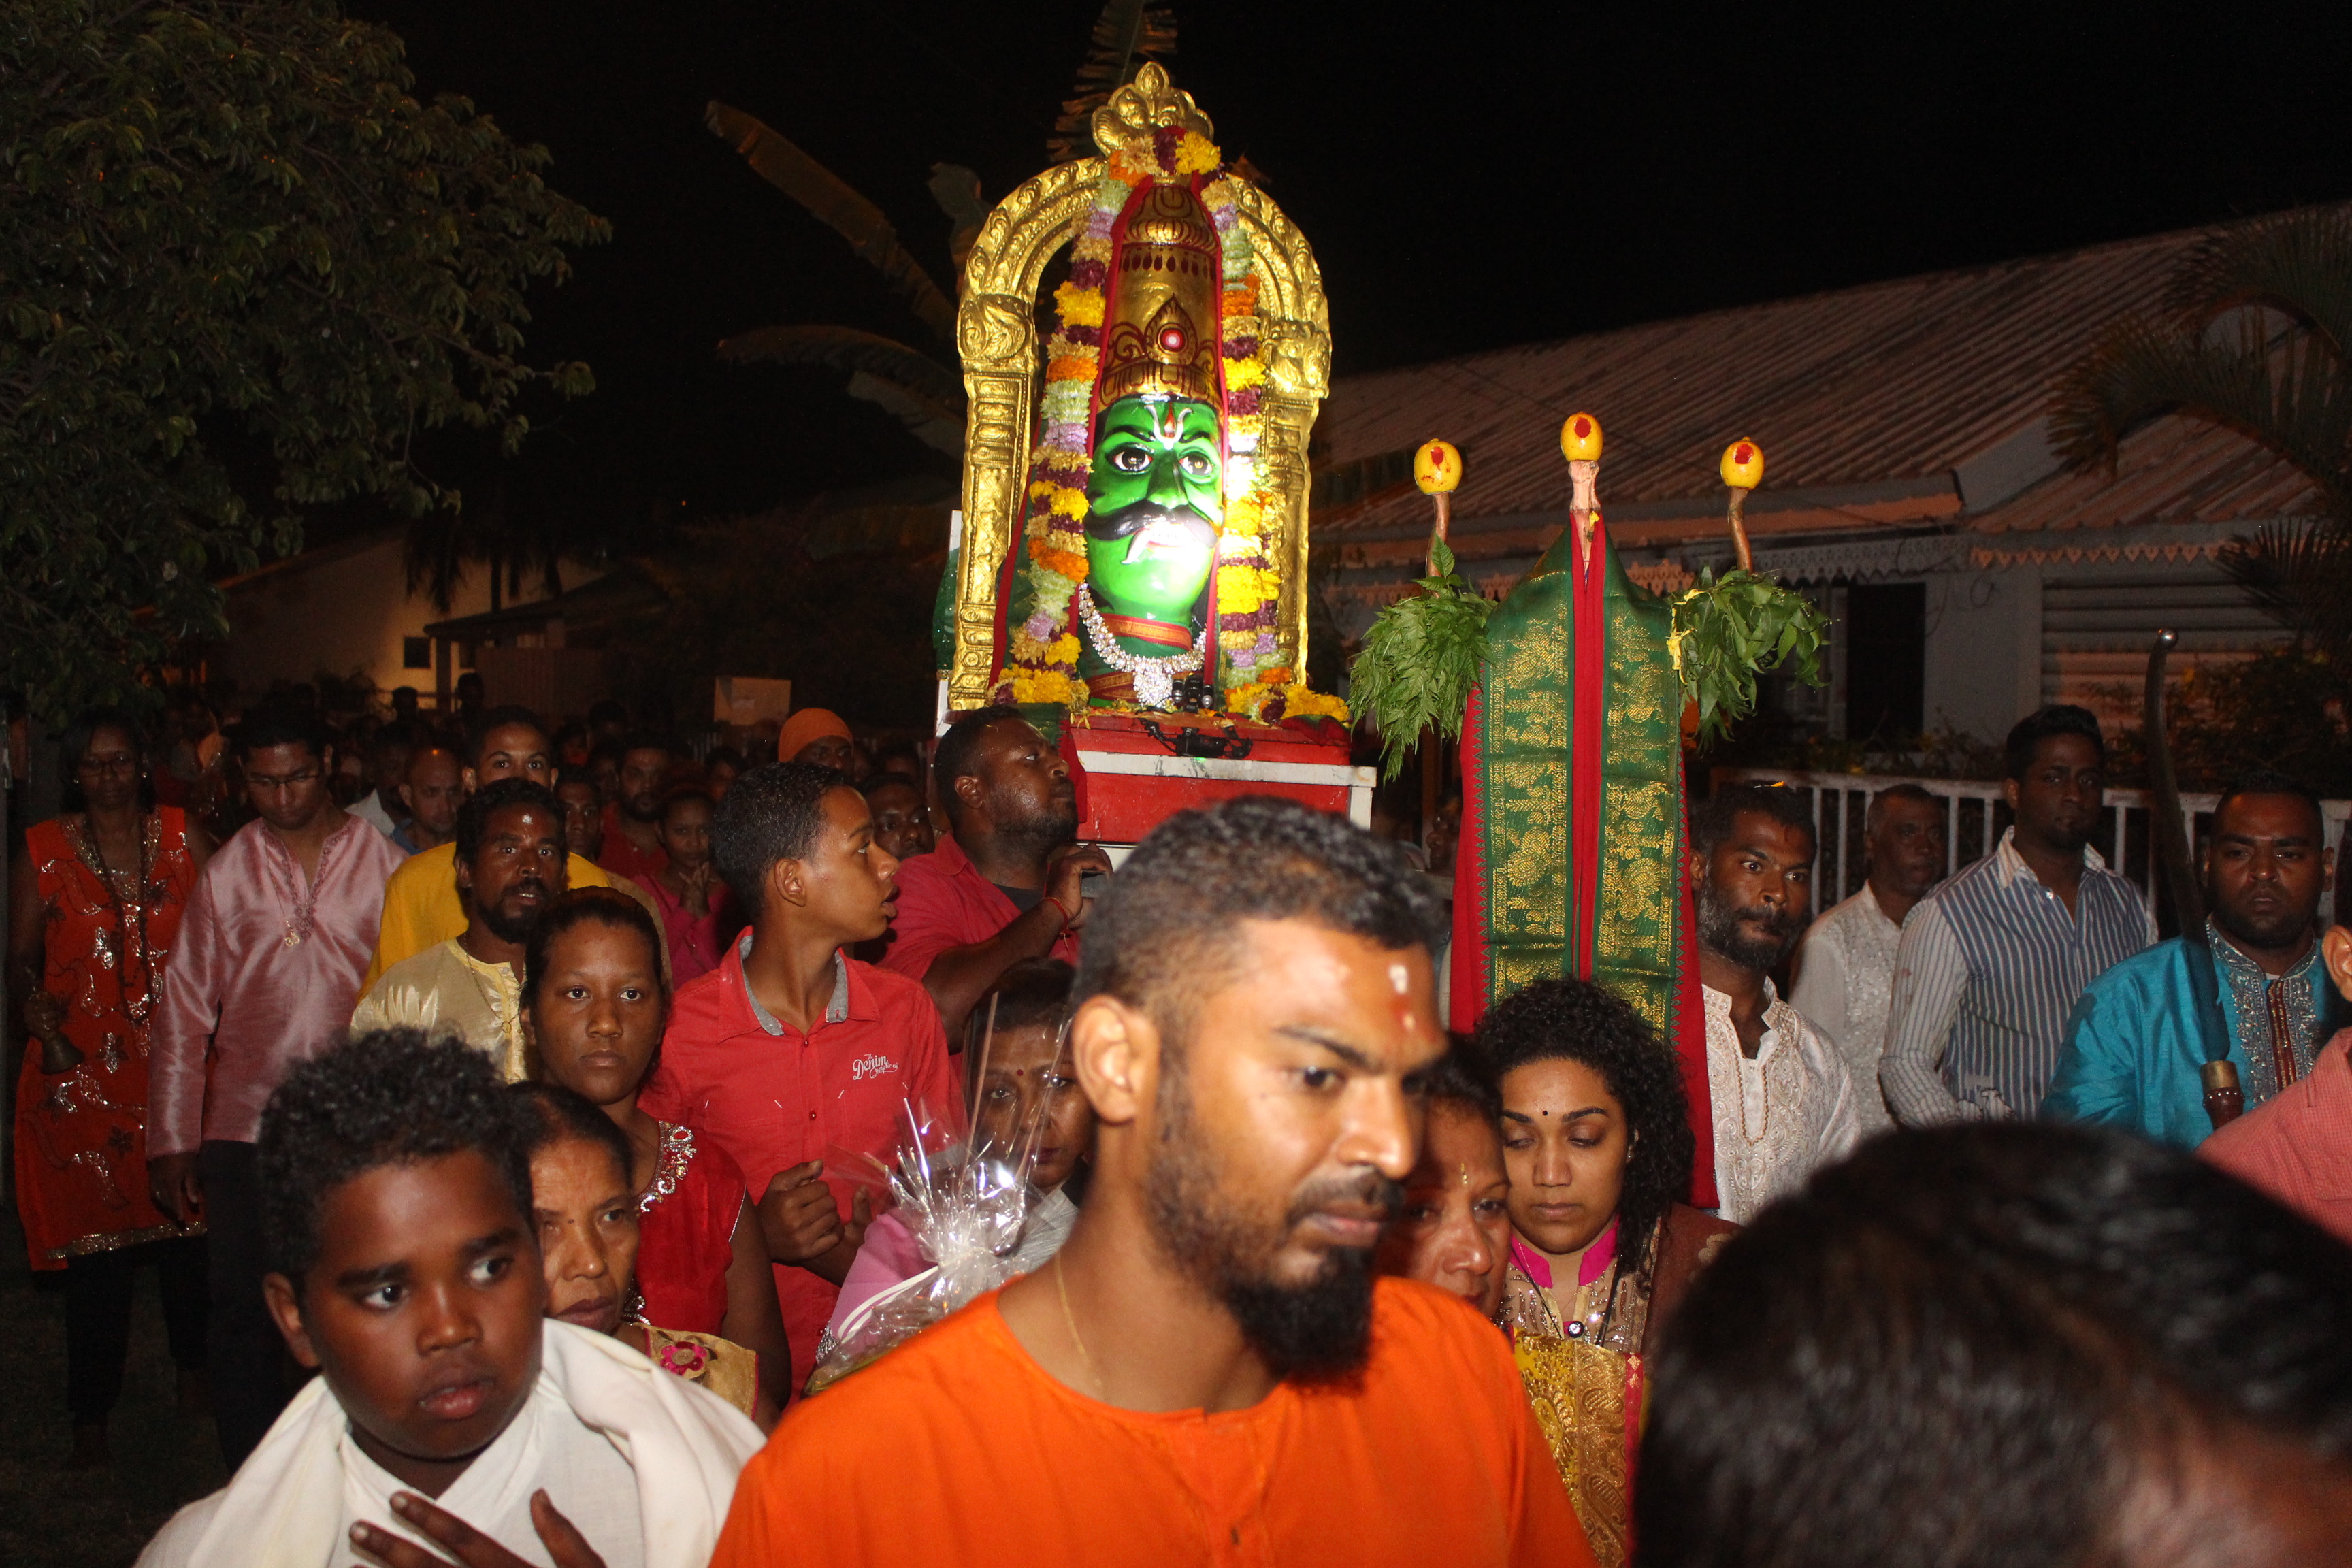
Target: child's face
[1028, 1085]
[685, 832]
[423, 1310]
[587, 1218]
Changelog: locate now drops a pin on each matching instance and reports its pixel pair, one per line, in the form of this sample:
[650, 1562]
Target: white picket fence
[1974, 814]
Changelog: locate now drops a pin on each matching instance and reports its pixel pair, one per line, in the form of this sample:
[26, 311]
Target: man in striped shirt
[1992, 962]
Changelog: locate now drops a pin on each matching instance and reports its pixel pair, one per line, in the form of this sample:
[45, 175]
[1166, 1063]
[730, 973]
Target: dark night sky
[1470, 174]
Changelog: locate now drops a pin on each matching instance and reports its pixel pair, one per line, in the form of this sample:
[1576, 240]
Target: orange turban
[809, 724]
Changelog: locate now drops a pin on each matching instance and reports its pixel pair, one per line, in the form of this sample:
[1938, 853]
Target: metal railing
[1974, 816]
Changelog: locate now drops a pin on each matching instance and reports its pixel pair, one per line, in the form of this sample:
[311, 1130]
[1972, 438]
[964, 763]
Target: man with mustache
[1783, 1102]
[1992, 962]
[1208, 1371]
[511, 862]
[2134, 1052]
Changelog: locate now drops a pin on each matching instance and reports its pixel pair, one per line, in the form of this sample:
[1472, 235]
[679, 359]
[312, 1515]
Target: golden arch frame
[996, 336]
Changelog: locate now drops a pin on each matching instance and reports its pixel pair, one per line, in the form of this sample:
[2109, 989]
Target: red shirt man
[792, 1058]
[1006, 885]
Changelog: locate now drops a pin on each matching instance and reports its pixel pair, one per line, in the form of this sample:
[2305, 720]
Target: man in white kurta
[1782, 1102]
[1846, 966]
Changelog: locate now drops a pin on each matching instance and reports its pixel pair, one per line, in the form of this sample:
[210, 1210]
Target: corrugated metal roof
[1876, 406]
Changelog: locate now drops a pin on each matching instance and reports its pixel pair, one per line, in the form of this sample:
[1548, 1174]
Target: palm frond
[1127, 34]
[840, 207]
[848, 349]
[935, 424]
[2292, 397]
[956, 189]
[2299, 263]
[2301, 575]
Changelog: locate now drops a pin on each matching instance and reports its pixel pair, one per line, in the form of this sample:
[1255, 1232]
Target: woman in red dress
[595, 1006]
[697, 916]
[95, 899]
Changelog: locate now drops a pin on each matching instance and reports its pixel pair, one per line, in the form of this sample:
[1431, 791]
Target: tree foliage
[2255, 333]
[238, 259]
[1730, 629]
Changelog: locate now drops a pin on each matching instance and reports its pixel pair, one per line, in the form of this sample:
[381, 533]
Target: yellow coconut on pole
[1437, 470]
[1743, 470]
[1580, 442]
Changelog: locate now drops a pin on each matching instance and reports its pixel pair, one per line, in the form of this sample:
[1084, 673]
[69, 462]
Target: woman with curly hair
[1597, 1144]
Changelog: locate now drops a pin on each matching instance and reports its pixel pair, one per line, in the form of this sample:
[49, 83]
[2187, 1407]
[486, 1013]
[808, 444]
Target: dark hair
[607, 709]
[1965, 1346]
[388, 1097]
[771, 813]
[497, 718]
[580, 906]
[277, 724]
[1032, 993]
[549, 1115]
[1712, 819]
[1562, 1019]
[393, 735]
[76, 740]
[724, 756]
[1876, 815]
[648, 741]
[1464, 1078]
[875, 782]
[601, 750]
[951, 758]
[1172, 915]
[474, 815]
[686, 792]
[572, 773]
[2026, 736]
[2270, 780]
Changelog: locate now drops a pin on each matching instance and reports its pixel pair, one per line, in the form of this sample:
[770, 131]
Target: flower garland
[1041, 664]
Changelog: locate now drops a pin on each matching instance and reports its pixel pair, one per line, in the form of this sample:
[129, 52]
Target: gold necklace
[1102, 1391]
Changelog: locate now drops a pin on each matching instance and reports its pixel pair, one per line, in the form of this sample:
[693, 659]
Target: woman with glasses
[96, 899]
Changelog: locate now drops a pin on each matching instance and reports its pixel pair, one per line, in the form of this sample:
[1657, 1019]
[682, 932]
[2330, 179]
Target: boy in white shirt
[405, 1267]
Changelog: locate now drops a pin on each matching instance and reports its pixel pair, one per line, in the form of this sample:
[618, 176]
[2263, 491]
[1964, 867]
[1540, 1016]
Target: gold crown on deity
[1162, 327]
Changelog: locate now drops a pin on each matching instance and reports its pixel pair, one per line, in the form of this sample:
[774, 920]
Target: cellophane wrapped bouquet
[969, 1208]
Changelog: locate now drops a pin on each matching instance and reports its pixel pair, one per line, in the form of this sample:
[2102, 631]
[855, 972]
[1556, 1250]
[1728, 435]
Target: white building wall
[1984, 650]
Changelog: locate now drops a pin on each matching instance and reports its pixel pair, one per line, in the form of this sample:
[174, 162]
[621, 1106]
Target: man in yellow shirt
[421, 906]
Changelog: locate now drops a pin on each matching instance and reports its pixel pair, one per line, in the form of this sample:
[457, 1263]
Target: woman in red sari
[95, 899]
[594, 1009]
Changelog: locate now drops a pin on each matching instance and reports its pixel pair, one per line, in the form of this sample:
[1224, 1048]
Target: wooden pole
[1739, 529]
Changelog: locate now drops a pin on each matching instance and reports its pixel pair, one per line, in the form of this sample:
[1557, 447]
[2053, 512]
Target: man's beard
[1043, 831]
[515, 927]
[641, 808]
[1319, 1329]
[1720, 927]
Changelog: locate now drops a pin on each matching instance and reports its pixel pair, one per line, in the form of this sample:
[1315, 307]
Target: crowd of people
[530, 1087]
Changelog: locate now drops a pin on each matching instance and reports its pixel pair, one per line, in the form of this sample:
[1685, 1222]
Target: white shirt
[1845, 977]
[369, 808]
[1781, 1114]
[642, 1462]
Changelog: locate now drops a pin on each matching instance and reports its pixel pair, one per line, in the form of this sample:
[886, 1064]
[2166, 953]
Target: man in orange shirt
[1208, 1372]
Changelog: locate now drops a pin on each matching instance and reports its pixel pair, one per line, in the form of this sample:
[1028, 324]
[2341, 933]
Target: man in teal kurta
[2134, 1049]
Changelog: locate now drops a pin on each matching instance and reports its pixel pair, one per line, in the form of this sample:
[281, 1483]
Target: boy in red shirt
[791, 1047]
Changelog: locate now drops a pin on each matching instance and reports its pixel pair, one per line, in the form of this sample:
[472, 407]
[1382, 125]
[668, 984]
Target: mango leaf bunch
[1732, 629]
[1421, 661]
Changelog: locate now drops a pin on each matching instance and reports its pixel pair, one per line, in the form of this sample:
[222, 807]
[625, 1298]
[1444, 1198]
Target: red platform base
[1129, 781]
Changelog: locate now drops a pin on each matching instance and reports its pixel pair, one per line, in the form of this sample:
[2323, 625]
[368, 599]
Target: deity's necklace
[1155, 677]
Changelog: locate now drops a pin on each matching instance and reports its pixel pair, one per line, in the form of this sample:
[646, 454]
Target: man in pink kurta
[265, 975]
[2297, 1146]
